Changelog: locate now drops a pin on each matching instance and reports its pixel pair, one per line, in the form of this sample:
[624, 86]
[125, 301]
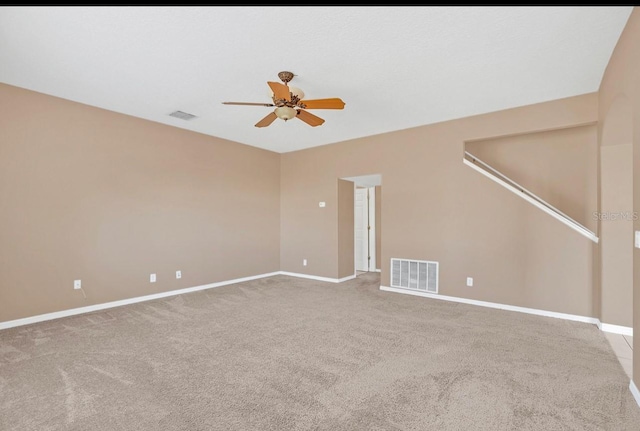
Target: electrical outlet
[77, 284]
[178, 274]
[469, 281]
[304, 262]
[152, 278]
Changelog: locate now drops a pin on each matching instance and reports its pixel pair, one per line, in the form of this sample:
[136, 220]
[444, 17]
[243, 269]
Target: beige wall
[319, 243]
[94, 195]
[614, 282]
[616, 215]
[559, 166]
[619, 97]
[436, 208]
[562, 167]
[346, 233]
[378, 218]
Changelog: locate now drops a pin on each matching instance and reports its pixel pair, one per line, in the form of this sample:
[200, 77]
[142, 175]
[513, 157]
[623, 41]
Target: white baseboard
[317, 277]
[635, 392]
[605, 327]
[97, 307]
[347, 278]
[378, 270]
[615, 329]
[103, 306]
[624, 330]
[545, 313]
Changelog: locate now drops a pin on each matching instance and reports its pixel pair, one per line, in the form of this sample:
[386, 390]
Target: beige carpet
[292, 354]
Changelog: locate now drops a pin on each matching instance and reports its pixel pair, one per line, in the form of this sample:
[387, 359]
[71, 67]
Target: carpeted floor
[283, 353]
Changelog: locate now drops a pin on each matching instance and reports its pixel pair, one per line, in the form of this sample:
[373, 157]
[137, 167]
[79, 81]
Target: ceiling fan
[289, 103]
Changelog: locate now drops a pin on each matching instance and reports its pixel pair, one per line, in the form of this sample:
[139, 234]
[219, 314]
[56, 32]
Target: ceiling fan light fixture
[285, 113]
[297, 92]
[289, 102]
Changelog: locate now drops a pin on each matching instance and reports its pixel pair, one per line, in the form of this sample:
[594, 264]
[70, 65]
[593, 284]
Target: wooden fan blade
[280, 91]
[248, 104]
[309, 118]
[266, 120]
[333, 103]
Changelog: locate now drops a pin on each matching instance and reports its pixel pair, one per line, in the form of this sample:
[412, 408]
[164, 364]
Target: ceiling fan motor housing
[285, 76]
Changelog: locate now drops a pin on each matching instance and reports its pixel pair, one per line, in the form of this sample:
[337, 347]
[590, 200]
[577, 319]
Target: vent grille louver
[419, 275]
[182, 115]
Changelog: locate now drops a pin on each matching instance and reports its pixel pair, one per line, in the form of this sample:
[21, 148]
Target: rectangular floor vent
[419, 275]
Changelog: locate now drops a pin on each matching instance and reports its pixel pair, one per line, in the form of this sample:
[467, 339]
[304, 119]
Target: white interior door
[360, 228]
[372, 229]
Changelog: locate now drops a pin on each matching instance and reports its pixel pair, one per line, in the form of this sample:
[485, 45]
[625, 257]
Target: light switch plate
[637, 240]
[322, 204]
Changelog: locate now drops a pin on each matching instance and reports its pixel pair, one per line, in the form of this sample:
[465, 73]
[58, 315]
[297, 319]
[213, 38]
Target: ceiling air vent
[415, 275]
[182, 115]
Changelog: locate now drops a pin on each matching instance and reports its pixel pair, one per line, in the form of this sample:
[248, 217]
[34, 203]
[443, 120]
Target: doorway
[367, 223]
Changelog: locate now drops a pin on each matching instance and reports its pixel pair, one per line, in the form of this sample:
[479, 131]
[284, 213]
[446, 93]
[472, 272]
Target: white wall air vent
[182, 115]
[418, 275]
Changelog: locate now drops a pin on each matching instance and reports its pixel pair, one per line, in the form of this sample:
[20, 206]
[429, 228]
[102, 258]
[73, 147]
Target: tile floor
[622, 345]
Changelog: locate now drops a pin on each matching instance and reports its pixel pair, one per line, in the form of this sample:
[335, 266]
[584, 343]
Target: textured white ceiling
[394, 67]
